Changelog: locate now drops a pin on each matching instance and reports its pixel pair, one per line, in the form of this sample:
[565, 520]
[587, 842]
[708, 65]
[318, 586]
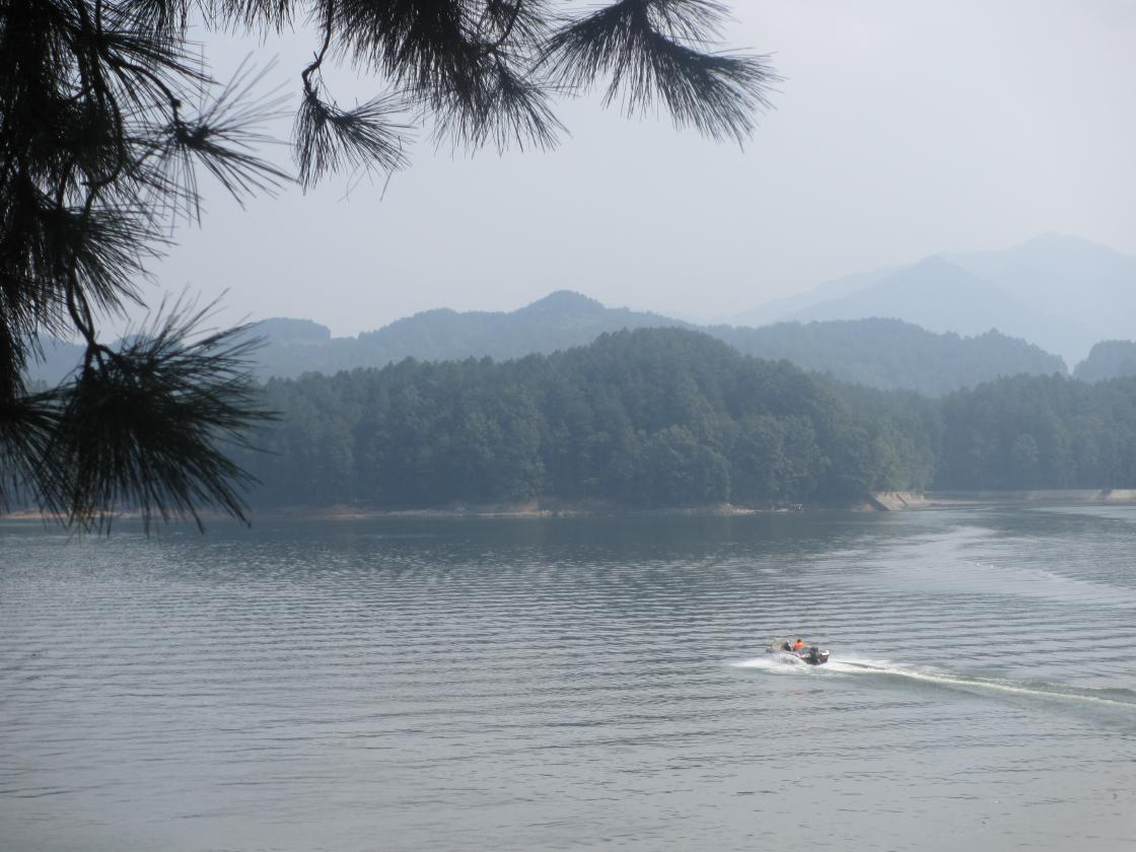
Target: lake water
[574, 684]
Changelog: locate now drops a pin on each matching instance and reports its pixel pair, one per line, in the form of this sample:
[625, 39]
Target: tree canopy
[671, 417]
[1109, 359]
[651, 418]
[109, 118]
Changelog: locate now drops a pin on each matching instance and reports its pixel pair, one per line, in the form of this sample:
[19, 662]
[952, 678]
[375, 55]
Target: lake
[574, 684]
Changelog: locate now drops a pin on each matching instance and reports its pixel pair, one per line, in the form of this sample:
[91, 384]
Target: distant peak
[1052, 244]
[937, 261]
[936, 266]
[565, 301]
[287, 328]
[1056, 238]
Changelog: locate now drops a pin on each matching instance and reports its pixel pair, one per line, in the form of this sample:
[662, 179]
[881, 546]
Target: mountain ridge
[945, 322]
[889, 354]
[881, 353]
[1061, 292]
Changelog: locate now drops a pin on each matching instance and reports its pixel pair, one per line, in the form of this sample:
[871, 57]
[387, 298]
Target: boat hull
[811, 656]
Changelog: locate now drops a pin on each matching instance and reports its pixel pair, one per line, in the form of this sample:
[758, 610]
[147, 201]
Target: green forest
[1109, 359]
[669, 417]
[892, 354]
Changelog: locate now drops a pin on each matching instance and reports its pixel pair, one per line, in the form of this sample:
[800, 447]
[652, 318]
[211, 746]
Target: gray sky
[902, 129]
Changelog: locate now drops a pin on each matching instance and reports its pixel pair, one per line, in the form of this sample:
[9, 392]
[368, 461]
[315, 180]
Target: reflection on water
[574, 684]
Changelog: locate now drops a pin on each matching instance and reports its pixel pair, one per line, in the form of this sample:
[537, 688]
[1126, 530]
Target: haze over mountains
[925, 327]
[881, 353]
[1063, 293]
[891, 354]
[1110, 359]
[560, 320]
[908, 327]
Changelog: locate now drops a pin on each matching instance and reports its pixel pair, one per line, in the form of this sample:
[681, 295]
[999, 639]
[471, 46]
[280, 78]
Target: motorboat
[810, 654]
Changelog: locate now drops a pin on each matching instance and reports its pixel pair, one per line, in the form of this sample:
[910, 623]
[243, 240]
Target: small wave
[776, 664]
[938, 677]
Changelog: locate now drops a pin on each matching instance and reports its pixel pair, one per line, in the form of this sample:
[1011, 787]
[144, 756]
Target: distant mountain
[936, 294]
[886, 354]
[1109, 359]
[291, 347]
[1088, 291]
[1060, 292]
[284, 330]
[777, 310]
[558, 321]
[891, 354]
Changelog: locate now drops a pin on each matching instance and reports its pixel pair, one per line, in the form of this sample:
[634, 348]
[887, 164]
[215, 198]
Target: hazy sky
[901, 129]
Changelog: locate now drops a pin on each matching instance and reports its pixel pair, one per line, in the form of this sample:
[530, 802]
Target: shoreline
[529, 509]
[879, 502]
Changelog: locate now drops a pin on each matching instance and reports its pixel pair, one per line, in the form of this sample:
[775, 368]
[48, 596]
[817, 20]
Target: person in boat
[799, 645]
[785, 646]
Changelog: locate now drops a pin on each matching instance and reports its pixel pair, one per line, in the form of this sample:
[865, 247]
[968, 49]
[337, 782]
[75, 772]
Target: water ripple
[568, 684]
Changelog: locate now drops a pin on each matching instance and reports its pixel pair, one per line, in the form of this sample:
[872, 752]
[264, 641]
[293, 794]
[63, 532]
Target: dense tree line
[1040, 432]
[881, 353]
[1109, 359]
[659, 417]
[892, 354]
[668, 417]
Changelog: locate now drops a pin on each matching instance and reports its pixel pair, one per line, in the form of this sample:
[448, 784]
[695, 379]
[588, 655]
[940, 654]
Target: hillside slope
[1109, 359]
[886, 354]
[893, 355]
[558, 321]
[1060, 292]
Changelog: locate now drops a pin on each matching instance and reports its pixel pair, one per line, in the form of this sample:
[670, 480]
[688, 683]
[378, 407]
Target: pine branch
[28, 471]
[222, 138]
[328, 139]
[102, 147]
[143, 428]
[652, 52]
[505, 109]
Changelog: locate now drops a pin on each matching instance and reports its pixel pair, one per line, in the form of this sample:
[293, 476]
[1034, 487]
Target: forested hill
[1109, 359]
[558, 321]
[1039, 432]
[669, 417]
[660, 417]
[292, 347]
[875, 352]
[891, 354]
[1060, 292]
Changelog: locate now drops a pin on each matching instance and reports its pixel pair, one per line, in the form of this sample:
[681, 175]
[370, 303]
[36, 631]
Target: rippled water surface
[566, 684]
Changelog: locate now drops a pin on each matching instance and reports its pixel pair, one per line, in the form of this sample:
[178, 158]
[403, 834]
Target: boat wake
[844, 666]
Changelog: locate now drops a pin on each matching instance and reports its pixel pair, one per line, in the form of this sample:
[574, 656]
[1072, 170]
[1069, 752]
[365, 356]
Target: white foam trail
[776, 664]
[947, 679]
